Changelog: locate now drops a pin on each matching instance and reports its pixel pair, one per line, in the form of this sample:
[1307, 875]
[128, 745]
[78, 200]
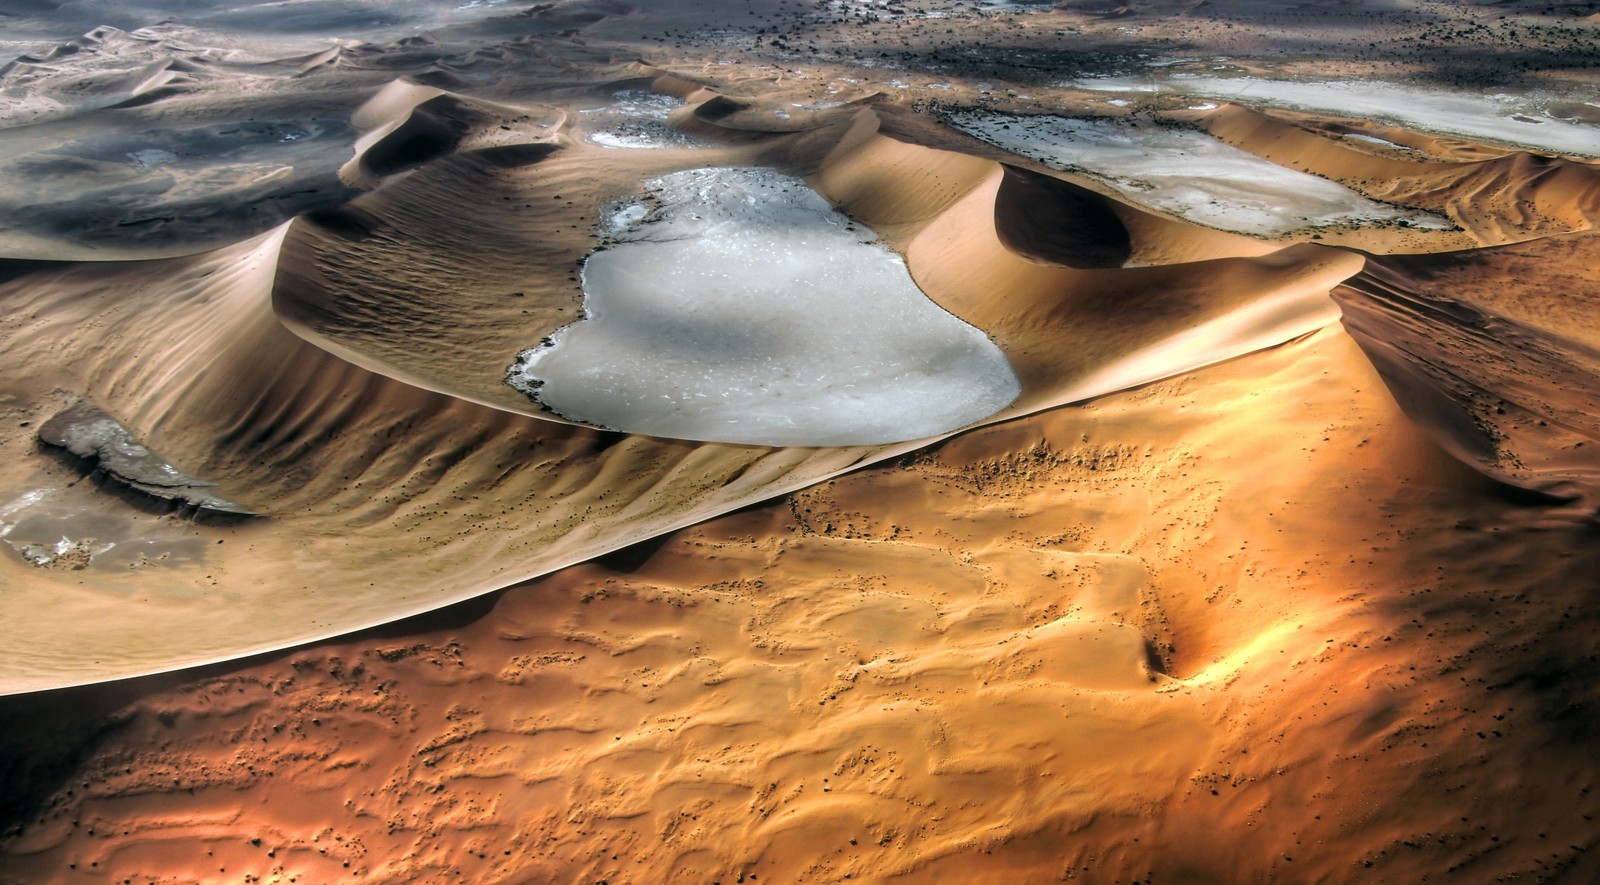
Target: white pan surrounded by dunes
[1188, 173]
[743, 308]
[636, 119]
[894, 441]
[1528, 118]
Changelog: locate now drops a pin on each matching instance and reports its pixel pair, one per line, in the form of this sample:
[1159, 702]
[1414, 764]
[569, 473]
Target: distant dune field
[755, 442]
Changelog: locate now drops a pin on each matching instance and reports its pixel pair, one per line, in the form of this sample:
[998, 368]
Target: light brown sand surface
[1277, 569]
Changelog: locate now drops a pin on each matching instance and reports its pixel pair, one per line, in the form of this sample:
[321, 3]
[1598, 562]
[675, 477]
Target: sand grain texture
[1279, 568]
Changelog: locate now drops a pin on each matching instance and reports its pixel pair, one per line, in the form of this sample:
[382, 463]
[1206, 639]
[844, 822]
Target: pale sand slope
[1495, 195]
[1318, 612]
[1244, 625]
[394, 478]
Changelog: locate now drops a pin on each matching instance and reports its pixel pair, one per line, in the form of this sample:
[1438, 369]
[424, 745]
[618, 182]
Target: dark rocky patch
[89, 432]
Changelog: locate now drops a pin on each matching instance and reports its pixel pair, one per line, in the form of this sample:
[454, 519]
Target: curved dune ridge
[1497, 196]
[1501, 372]
[1268, 557]
[361, 283]
[292, 377]
[1188, 174]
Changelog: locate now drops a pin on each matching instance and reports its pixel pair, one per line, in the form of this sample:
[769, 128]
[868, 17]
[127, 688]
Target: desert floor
[1147, 442]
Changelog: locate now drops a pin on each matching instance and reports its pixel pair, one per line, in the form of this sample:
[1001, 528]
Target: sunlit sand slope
[1074, 645]
[1249, 584]
[343, 374]
[1496, 350]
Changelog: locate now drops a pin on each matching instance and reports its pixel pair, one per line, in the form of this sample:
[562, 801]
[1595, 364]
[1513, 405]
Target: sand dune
[1502, 374]
[1277, 568]
[1174, 631]
[1511, 196]
[303, 339]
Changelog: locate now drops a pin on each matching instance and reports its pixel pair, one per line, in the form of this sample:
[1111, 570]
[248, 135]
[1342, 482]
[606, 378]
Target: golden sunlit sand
[1279, 567]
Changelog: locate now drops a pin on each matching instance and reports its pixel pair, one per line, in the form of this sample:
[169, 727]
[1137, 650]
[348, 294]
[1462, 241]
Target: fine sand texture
[1272, 559]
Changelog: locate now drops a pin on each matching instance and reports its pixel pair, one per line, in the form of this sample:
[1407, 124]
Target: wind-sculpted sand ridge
[408, 477]
[264, 413]
[1250, 583]
[1503, 197]
[1503, 373]
[614, 720]
[106, 67]
[430, 465]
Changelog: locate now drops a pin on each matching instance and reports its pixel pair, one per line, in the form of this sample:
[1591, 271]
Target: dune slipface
[1129, 457]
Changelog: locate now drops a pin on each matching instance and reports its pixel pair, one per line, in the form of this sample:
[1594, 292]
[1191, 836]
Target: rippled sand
[1273, 565]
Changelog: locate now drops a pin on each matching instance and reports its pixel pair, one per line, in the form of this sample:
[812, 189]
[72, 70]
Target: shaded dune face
[293, 376]
[1501, 371]
[1051, 220]
[432, 130]
[1248, 583]
[743, 308]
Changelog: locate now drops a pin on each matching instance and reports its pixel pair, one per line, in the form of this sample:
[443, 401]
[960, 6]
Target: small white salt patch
[150, 158]
[636, 120]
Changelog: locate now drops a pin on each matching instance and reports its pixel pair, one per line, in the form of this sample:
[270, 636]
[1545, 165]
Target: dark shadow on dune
[718, 108]
[49, 737]
[453, 617]
[16, 268]
[1507, 398]
[151, 97]
[1047, 219]
[346, 222]
[434, 129]
[514, 156]
[440, 78]
[630, 559]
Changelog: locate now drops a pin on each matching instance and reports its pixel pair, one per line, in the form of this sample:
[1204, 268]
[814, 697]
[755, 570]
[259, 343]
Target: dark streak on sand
[87, 431]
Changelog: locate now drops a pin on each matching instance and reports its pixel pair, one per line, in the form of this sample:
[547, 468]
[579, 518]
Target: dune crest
[1279, 567]
[1499, 372]
[1506, 198]
[301, 346]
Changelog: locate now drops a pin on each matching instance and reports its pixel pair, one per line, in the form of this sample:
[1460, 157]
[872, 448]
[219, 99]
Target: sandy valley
[752, 441]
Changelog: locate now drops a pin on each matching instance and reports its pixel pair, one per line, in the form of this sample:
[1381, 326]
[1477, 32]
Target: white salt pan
[636, 119]
[1511, 119]
[742, 308]
[1187, 173]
